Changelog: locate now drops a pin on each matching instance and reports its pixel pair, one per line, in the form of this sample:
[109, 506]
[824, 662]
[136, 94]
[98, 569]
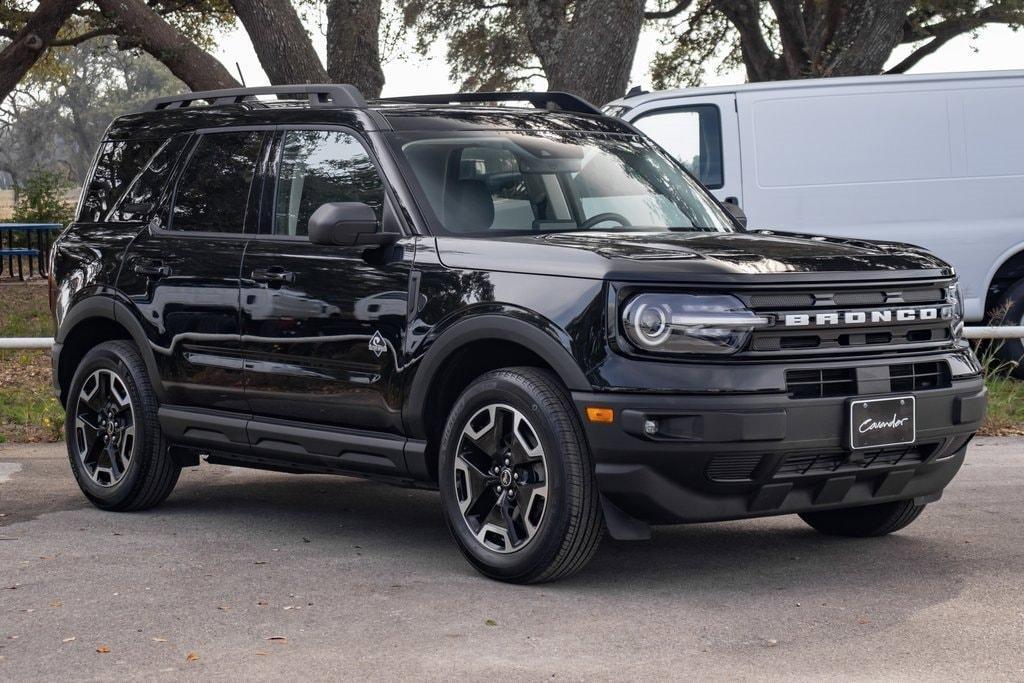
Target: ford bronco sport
[533, 309]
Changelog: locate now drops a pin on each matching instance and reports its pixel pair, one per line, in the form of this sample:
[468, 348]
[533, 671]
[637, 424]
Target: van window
[317, 167]
[117, 164]
[693, 135]
[213, 191]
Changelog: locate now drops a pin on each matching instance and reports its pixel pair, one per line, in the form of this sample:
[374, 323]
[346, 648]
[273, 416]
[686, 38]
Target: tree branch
[29, 44]
[79, 39]
[140, 26]
[680, 7]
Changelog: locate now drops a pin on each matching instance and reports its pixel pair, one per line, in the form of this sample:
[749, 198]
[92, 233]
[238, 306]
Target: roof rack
[542, 100]
[320, 95]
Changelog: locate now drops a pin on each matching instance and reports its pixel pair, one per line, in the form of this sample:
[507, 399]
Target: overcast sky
[996, 47]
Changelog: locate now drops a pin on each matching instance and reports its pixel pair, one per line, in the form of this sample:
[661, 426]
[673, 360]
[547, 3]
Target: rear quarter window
[117, 164]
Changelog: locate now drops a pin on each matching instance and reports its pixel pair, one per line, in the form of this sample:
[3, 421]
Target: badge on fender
[377, 344]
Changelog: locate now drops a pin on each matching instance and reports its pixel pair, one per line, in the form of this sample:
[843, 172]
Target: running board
[290, 444]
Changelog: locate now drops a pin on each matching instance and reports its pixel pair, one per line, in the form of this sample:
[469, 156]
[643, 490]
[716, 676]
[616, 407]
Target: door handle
[273, 275]
[151, 268]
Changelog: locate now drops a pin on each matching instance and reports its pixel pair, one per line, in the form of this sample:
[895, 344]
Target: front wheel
[516, 478]
[866, 521]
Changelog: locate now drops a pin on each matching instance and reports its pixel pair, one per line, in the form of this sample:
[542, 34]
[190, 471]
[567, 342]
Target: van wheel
[1010, 311]
[516, 478]
[117, 450]
[869, 520]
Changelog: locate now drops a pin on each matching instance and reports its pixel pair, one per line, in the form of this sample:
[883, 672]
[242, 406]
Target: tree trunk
[284, 48]
[864, 38]
[31, 41]
[590, 55]
[139, 26]
[353, 50]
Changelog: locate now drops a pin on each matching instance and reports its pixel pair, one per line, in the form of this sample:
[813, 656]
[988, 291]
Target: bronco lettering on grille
[869, 317]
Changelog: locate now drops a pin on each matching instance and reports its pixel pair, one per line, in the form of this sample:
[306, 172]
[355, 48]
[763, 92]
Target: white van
[933, 160]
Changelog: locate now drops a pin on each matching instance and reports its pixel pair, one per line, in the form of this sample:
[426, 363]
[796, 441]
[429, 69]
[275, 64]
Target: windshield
[499, 183]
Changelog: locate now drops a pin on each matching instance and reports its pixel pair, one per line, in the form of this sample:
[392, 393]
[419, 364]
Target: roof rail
[542, 100]
[320, 95]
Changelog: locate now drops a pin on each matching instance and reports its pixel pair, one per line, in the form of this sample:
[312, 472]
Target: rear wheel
[870, 520]
[1010, 311]
[516, 478]
[117, 451]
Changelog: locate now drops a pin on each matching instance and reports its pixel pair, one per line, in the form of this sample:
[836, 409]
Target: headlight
[956, 297]
[688, 323]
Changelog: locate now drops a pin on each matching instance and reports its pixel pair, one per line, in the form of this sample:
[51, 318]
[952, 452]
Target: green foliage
[41, 199]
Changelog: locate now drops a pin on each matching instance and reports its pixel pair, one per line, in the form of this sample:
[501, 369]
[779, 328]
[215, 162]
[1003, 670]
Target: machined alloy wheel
[516, 478]
[104, 438]
[501, 478]
[116, 448]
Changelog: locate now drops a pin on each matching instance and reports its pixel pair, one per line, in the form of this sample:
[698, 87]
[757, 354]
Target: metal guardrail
[1006, 332]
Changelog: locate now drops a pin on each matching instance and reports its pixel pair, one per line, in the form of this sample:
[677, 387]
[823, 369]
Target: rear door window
[215, 185]
[693, 135]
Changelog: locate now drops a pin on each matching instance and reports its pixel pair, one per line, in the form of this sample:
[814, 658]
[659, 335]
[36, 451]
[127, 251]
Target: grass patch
[25, 309]
[28, 409]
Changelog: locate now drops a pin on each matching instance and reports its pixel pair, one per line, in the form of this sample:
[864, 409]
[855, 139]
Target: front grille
[836, 382]
[799, 464]
[733, 467]
[882, 336]
[919, 376]
[821, 383]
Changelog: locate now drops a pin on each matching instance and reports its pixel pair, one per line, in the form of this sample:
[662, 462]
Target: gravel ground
[251, 575]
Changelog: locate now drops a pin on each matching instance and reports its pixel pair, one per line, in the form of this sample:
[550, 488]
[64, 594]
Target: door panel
[307, 342]
[185, 290]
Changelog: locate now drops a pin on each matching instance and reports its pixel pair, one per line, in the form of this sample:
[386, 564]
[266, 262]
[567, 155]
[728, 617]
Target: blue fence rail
[25, 248]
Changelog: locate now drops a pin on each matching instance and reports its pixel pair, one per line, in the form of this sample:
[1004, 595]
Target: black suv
[533, 309]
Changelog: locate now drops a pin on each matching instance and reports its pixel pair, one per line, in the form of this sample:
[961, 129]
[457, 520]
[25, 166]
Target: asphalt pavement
[246, 575]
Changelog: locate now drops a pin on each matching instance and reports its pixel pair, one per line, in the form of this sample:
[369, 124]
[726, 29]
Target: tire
[865, 522]
[1010, 311]
[554, 523]
[127, 467]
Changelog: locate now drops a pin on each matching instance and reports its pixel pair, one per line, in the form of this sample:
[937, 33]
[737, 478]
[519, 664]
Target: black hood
[692, 256]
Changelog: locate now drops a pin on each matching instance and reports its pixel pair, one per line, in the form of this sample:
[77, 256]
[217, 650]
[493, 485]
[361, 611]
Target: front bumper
[732, 456]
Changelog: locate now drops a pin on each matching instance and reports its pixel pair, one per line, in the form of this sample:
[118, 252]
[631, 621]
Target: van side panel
[937, 164]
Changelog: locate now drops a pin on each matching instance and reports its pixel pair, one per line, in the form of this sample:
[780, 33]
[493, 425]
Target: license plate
[878, 422]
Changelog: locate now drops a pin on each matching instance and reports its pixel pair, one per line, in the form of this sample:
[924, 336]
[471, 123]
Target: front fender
[538, 338]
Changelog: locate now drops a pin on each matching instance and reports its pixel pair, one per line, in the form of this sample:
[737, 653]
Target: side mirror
[734, 210]
[347, 224]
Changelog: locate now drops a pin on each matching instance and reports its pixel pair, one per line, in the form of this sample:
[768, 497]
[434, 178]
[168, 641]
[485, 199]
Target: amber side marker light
[595, 414]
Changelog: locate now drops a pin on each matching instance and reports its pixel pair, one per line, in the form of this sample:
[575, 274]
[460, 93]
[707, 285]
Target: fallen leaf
[46, 557]
[159, 640]
[261, 654]
[191, 657]
[223, 608]
[491, 622]
[68, 640]
[278, 639]
[56, 603]
[103, 649]
[260, 562]
[863, 620]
